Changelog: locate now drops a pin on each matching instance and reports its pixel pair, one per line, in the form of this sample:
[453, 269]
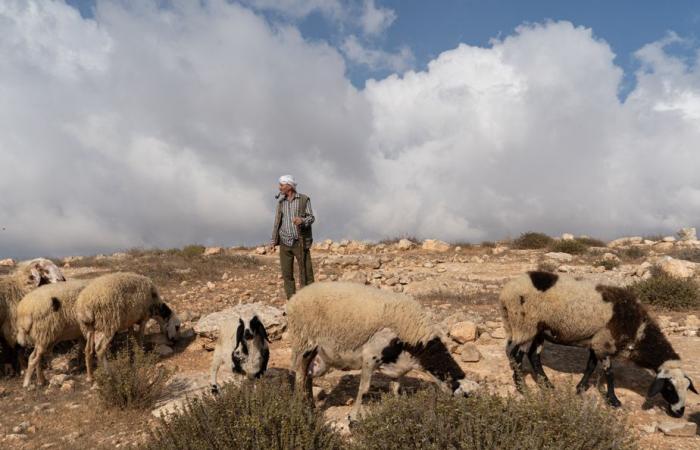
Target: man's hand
[270, 247]
[297, 220]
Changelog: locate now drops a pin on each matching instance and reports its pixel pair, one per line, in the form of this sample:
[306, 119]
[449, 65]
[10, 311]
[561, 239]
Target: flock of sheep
[347, 326]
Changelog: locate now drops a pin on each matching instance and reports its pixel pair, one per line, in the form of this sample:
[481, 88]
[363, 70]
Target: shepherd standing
[292, 232]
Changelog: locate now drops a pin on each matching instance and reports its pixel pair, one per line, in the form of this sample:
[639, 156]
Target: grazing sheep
[115, 302]
[243, 342]
[351, 326]
[45, 317]
[26, 277]
[609, 321]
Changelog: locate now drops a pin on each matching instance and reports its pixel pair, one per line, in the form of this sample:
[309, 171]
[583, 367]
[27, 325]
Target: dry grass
[456, 298]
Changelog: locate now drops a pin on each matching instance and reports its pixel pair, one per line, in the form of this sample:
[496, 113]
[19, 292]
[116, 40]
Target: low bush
[488, 244]
[668, 292]
[547, 266]
[572, 247]
[609, 264]
[633, 253]
[591, 242]
[532, 240]
[134, 379]
[547, 419]
[688, 254]
[266, 414]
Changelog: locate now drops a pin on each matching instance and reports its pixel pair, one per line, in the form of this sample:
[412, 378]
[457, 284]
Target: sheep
[243, 341]
[115, 302]
[45, 317]
[609, 321]
[26, 277]
[351, 326]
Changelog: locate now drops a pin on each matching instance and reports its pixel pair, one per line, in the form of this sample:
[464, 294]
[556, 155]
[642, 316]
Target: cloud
[298, 9]
[150, 126]
[375, 20]
[376, 59]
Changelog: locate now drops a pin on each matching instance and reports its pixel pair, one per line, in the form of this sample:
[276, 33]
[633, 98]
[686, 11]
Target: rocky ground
[458, 284]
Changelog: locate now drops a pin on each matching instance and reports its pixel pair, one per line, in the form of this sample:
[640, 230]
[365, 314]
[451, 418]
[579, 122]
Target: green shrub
[609, 264]
[547, 266]
[532, 240]
[688, 254]
[192, 251]
[633, 253]
[488, 244]
[572, 247]
[591, 242]
[266, 414]
[668, 292]
[545, 419]
[134, 380]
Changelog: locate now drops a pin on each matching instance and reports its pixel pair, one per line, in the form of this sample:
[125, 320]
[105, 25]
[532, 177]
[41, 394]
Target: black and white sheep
[115, 302]
[609, 321]
[26, 277]
[243, 343]
[45, 317]
[350, 326]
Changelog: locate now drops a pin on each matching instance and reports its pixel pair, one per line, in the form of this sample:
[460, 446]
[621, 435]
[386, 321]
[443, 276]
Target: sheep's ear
[690, 385]
[35, 275]
[656, 386]
[239, 333]
[55, 304]
[258, 328]
[164, 311]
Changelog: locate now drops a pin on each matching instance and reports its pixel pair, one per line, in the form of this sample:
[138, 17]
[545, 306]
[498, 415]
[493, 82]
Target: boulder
[463, 332]
[404, 244]
[273, 318]
[677, 267]
[354, 276]
[567, 237]
[687, 234]
[210, 251]
[559, 256]
[435, 245]
[681, 429]
[7, 262]
[469, 353]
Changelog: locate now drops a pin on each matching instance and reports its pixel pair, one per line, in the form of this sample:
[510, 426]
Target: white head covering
[288, 179]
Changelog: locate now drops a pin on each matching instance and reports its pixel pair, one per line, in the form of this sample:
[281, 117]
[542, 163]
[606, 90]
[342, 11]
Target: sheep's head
[41, 271]
[464, 387]
[673, 384]
[167, 319]
[250, 351]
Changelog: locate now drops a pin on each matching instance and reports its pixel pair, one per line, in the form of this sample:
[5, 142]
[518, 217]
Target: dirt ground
[70, 417]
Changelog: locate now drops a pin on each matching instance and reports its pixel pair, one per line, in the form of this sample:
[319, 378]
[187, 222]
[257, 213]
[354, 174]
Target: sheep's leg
[215, 364]
[610, 380]
[515, 357]
[89, 353]
[101, 348]
[368, 366]
[534, 356]
[34, 358]
[396, 386]
[300, 363]
[40, 379]
[582, 386]
[142, 332]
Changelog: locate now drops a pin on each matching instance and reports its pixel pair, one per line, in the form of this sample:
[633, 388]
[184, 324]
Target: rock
[463, 332]
[643, 268]
[354, 276]
[677, 267]
[60, 363]
[498, 250]
[68, 386]
[21, 428]
[662, 247]
[692, 321]
[559, 256]
[404, 244]
[163, 350]
[499, 333]
[357, 246]
[610, 257]
[681, 429]
[565, 269]
[7, 262]
[687, 234]
[669, 239]
[484, 339]
[649, 428]
[59, 379]
[435, 245]
[260, 250]
[273, 319]
[210, 285]
[210, 251]
[567, 237]
[428, 265]
[16, 437]
[392, 281]
[625, 241]
[469, 353]
[476, 260]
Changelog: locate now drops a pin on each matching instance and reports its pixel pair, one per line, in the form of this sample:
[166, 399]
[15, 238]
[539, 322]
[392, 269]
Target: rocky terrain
[458, 283]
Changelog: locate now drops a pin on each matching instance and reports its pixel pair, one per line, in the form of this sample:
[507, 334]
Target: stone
[392, 281]
[210, 285]
[211, 251]
[687, 234]
[610, 257]
[68, 386]
[58, 380]
[567, 237]
[428, 265]
[7, 262]
[680, 429]
[625, 241]
[643, 268]
[476, 260]
[16, 437]
[260, 250]
[692, 321]
[661, 247]
[273, 318]
[163, 350]
[435, 245]
[649, 428]
[464, 331]
[498, 250]
[669, 239]
[469, 353]
[21, 428]
[499, 333]
[354, 276]
[677, 267]
[559, 256]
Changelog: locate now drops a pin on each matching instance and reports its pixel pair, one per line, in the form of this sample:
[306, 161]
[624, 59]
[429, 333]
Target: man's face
[285, 188]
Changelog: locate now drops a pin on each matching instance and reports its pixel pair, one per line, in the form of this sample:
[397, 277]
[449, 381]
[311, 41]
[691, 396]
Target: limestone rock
[7, 262]
[470, 353]
[499, 333]
[404, 244]
[463, 332]
[682, 429]
[273, 319]
[687, 234]
[435, 245]
[567, 237]
[677, 267]
[210, 251]
[559, 256]
[260, 250]
[354, 276]
[163, 350]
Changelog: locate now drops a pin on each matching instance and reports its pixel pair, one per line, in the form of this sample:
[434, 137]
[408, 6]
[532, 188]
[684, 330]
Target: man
[292, 232]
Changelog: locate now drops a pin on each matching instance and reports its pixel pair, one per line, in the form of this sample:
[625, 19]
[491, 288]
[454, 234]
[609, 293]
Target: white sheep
[115, 302]
[351, 326]
[45, 317]
[26, 277]
[609, 321]
[243, 343]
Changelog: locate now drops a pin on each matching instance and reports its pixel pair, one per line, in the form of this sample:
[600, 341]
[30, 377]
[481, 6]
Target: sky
[129, 123]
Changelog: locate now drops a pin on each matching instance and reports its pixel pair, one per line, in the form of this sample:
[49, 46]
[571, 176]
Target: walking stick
[302, 259]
